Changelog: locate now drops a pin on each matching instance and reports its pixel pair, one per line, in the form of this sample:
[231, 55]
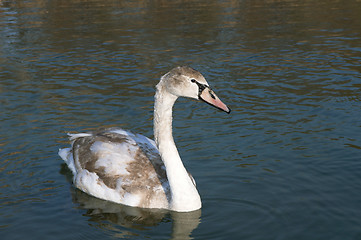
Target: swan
[128, 168]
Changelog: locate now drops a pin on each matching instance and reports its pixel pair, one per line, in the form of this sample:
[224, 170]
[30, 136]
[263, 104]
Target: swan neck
[163, 108]
[184, 195]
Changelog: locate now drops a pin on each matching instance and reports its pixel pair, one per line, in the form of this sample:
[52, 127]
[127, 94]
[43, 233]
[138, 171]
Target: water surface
[285, 164]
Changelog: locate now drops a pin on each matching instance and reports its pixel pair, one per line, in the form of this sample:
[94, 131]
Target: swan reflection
[109, 215]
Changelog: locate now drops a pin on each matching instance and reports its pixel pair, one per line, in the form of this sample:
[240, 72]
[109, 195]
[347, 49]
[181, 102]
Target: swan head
[187, 82]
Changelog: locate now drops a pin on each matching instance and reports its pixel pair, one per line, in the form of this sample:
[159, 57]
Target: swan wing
[119, 166]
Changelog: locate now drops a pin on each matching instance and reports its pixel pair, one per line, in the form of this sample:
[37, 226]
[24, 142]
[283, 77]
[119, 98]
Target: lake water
[285, 164]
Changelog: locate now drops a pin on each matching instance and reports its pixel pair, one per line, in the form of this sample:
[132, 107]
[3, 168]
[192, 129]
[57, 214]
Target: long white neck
[185, 196]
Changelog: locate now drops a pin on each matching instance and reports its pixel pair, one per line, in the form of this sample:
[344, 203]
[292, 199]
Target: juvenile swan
[131, 169]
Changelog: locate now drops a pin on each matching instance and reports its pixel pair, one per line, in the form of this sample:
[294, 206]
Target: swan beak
[208, 96]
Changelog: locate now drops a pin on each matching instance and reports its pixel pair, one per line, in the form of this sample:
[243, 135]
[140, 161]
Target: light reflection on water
[283, 165]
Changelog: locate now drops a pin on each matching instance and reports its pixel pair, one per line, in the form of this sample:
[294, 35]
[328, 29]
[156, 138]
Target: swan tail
[67, 155]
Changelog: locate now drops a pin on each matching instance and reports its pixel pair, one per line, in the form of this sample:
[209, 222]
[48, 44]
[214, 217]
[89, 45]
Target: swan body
[131, 169]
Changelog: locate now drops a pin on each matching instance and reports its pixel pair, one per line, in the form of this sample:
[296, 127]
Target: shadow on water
[107, 215]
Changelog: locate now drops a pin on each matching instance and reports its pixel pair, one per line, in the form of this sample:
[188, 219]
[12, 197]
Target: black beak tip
[229, 111]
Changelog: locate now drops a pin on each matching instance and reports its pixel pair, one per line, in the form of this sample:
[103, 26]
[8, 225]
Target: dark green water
[285, 164]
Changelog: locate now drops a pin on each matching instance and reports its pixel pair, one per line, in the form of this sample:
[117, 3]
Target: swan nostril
[212, 95]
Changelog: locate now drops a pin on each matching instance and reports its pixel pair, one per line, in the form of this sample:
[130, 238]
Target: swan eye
[193, 80]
